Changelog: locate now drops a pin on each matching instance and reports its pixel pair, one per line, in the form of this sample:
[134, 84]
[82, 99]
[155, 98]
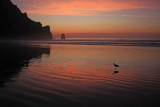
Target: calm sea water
[49, 74]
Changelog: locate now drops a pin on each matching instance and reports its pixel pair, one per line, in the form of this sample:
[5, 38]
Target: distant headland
[16, 25]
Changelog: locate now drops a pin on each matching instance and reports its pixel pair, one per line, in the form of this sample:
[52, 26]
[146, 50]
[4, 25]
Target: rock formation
[15, 24]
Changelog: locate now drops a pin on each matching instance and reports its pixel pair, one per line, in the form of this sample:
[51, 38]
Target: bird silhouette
[115, 65]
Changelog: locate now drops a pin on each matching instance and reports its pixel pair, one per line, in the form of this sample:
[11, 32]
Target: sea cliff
[16, 25]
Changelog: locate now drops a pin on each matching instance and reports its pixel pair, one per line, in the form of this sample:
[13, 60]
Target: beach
[69, 75]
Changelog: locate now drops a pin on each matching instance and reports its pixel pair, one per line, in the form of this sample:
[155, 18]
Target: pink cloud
[84, 7]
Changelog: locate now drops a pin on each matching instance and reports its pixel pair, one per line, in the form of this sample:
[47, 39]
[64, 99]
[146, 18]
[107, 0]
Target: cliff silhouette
[16, 25]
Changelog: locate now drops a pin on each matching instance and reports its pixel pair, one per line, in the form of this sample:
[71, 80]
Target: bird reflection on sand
[114, 74]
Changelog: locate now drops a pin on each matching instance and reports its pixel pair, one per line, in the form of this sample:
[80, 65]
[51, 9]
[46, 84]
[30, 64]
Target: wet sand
[57, 75]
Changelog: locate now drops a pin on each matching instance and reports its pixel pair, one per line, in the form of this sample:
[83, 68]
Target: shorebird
[115, 65]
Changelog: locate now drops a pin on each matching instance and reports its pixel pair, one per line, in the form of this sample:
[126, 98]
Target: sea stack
[16, 25]
[63, 36]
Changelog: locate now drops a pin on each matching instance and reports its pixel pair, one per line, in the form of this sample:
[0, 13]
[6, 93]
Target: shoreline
[144, 43]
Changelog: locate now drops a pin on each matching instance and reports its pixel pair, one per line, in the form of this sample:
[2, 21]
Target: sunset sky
[96, 17]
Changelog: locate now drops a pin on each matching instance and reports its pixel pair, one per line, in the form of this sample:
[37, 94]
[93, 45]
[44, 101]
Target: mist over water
[45, 74]
[148, 42]
[154, 42]
[110, 41]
